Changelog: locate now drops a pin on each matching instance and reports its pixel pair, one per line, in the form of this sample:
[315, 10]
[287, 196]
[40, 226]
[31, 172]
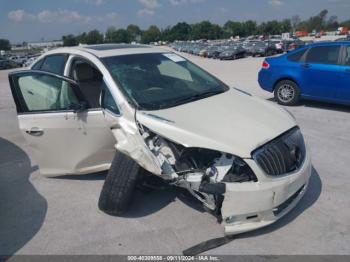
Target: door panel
[62, 140]
[70, 143]
[320, 72]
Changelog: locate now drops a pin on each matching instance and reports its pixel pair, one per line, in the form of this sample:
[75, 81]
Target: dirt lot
[60, 216]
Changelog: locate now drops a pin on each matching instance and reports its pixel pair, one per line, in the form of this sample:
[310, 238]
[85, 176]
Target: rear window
[296, 57]
[323, 55]
[54, 64]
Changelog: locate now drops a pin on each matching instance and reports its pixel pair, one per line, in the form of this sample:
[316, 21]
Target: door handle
[35, 131]
[306, 65]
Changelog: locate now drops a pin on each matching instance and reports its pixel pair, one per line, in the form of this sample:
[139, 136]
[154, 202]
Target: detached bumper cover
[250, 206]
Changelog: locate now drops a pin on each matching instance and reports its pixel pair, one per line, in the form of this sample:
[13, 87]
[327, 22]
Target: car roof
[326, 43]
[107, 50]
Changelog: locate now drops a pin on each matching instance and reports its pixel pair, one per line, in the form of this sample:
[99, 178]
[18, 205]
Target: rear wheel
[119, 185]
[287, 93]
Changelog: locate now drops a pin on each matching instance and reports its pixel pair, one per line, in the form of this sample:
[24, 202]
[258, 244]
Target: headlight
[215, 166]
[239, 172]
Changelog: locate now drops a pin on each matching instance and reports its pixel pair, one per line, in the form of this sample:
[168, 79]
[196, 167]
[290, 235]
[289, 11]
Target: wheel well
[282, 79]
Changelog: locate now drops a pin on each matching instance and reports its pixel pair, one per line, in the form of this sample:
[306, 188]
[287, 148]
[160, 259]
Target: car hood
[233, 122]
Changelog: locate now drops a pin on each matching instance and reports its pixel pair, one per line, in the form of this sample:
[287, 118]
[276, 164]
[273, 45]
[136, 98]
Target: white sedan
[242, 157]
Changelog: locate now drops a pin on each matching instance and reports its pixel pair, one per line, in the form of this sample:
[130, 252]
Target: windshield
[161, 80]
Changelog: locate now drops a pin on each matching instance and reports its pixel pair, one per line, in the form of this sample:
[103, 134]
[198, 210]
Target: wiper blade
[197, 96]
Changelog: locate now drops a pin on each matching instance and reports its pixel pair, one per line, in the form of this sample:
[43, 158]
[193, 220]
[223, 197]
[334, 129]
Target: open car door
[64, 136]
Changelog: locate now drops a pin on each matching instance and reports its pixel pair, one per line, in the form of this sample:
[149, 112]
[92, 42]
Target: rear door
[343, 87]
[64, 136]
[320, 72]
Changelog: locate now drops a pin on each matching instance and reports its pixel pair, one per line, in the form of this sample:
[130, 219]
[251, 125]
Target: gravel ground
[60, 216]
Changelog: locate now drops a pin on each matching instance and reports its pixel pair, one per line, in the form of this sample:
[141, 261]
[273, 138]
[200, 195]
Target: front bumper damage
[250, 206]
[243, 206]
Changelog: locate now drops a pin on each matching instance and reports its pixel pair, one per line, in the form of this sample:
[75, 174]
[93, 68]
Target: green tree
[332, 23]
[250, 28]
[134, 32]
[94, 37]
[152, 34]
[181, 31]
[285, 26]
[206, 30]
[81, 39]
[317, 22]
[110, 34]
[232, 28]
[295, 21]
[121, 36]
[270, 28]
[69, 40]
[5, 44]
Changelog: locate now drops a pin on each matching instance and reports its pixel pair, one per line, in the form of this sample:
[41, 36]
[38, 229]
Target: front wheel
[287, 93]
[119, 185]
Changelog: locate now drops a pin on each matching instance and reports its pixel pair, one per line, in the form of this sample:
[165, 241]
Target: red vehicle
[342, 30]
[301, 33]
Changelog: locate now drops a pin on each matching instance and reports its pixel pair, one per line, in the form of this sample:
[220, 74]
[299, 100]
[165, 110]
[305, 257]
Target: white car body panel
[245, 201]
[226, 122]
[71, 143]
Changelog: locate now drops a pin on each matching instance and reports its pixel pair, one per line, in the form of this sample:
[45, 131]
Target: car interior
[90, 81]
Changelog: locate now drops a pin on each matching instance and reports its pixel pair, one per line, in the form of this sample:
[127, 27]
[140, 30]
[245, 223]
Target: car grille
[282, 155]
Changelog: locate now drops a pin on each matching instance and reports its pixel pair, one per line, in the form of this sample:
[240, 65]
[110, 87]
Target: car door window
[296, 57]
[54, 64]
[38, 64]
[323, 55]
[42, 92]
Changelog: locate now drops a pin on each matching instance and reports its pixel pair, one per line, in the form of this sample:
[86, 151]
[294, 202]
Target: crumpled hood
[231, 122]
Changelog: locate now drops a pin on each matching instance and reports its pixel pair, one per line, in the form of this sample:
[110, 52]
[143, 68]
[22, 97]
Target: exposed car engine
[203, 172]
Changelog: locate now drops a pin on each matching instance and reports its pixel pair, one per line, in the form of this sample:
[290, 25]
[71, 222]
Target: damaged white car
[134, 108]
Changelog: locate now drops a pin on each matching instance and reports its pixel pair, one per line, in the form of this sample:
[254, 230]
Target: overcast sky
[34, 20]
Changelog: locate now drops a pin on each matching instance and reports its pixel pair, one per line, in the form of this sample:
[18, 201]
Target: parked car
[4, 64]
[249, 46]
[214, 52]
[30, 61]
[122, 108]
[8, 64]
[263, 49]
[279, 45]
[232, 53]
[319, 71]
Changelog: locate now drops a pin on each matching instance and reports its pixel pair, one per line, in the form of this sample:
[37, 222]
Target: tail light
[265, 65]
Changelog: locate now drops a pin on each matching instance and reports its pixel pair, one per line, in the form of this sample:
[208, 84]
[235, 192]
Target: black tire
[118, 188]
[290, 99]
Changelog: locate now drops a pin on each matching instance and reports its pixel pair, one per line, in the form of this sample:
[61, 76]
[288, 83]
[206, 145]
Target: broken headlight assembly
[203, 172]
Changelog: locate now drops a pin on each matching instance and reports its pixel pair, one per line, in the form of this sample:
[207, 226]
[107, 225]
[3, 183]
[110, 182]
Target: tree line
[207, 30]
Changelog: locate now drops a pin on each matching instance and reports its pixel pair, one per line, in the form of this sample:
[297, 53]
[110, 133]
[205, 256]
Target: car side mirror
[79, 107]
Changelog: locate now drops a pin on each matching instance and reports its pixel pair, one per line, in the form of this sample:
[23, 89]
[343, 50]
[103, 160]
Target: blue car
[318, 71]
